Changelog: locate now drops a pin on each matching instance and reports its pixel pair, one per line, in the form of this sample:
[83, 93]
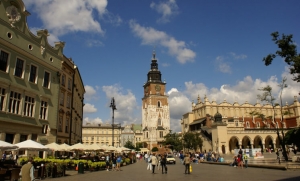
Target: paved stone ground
[205, 172]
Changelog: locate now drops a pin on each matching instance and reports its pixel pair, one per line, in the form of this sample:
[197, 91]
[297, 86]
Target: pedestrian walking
[153, 162]
[107, 159]
[119, 159]
[245, 158]
[278, 157]
[240, 161]
[27, 170]
[114, 162]
[149, 165]
[163, 162]
[187, 162]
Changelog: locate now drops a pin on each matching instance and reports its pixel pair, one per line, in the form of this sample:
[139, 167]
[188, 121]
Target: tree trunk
[281, 143]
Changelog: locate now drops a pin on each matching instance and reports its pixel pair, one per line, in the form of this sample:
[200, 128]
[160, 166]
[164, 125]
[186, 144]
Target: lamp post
[113, 107]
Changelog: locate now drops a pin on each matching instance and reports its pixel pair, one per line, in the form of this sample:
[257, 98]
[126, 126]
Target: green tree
[173, 141]
[138, 146]
[287, 51]
[267, 96]
[129, 145]
[154, 149]
[292, 137]
[192, 141]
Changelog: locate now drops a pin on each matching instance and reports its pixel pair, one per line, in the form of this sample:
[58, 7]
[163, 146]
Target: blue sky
[213, 48]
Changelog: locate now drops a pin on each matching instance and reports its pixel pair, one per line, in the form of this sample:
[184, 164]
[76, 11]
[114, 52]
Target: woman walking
[186, 162]
[153, 162]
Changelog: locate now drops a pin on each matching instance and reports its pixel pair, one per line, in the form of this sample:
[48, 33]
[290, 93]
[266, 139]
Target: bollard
[80, 167]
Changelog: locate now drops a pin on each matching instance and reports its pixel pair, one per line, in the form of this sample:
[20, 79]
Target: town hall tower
[155, 108]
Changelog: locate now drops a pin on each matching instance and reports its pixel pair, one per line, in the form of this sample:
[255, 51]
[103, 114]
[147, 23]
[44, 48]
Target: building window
[68, 101]
[46, 79]
[97, 138]
[44, 110]
[3, 61]
[69, 84]
[60, 119]
[159, 122]
[29, 106]
[247, 124]
[32, 76]
[158, 103]
[92, 138]
[23, 137]
[67, 125]
[161, 134]
[257, 125]
[62, 98]
[2, 96]
[19, 68]
[147, 135]
[63, 80]
[14, 102]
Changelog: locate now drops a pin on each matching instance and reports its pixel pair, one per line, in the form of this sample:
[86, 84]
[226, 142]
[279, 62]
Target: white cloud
[94, 121]
[126, 104]
[221, 65]
[235, 56]
[244, 90]
[151, 36]
[89, 108]
[167, 9]
[178, 104]
[62, 17]
[165, 64]
[93, 43]
[90, 93]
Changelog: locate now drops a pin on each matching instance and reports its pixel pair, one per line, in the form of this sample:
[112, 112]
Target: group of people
[9, 156]
[201, 156]
[157, 160]
[240, 159]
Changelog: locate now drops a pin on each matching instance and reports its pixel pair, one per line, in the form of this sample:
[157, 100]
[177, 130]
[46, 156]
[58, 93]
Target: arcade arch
[233, 143]
[246, 142]
[269, 142]
[258, 142]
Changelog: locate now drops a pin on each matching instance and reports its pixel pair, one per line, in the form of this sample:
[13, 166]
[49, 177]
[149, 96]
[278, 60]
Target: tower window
[158, 104]
[159, 122]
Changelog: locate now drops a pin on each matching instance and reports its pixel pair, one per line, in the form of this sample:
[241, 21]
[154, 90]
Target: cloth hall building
[224, 127]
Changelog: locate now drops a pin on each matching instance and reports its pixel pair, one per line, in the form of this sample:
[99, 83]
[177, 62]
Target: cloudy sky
[213, 48]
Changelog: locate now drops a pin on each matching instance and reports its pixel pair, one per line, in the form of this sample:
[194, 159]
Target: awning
[198, 121]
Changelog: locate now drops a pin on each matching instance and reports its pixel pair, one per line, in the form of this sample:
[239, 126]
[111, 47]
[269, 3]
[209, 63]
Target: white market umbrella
[64, 147]
[93, 147]
[31, 145]
[6, 146]
[78, 146]
[111, 148]
[53, 146]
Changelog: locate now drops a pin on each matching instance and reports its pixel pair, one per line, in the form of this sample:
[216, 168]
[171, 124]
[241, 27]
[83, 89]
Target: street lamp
[113, 107]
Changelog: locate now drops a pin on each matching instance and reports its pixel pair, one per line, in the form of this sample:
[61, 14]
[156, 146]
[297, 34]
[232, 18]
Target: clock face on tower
[157, 87]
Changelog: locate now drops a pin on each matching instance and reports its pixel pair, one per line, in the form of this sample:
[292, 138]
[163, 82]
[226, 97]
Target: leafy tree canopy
[287, 51]
[129, 145]
[154, 149]
[192, 141]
